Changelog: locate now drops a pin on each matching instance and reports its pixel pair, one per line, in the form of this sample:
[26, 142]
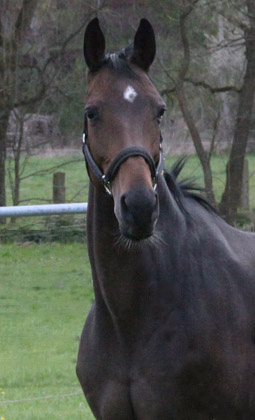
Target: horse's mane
[186, 188]
[119, 62]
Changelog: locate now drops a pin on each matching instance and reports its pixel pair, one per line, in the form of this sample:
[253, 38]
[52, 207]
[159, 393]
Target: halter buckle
[106, 185]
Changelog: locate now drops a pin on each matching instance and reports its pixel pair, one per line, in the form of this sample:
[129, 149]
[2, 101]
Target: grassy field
[45, 295]
[39, 188]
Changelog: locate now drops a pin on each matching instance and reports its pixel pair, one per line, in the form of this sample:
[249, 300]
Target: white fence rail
[43, 210]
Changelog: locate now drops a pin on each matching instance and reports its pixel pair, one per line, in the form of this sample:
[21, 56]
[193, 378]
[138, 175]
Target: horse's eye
[91, 114]
[160, 114]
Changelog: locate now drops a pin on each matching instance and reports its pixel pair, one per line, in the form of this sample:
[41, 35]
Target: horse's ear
[144, 45]
[94, 45]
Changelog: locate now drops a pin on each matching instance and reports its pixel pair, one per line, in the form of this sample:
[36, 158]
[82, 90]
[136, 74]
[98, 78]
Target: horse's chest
[166, 373]
[157, 381]
[148, 383]
[171, 382]
[152, 389]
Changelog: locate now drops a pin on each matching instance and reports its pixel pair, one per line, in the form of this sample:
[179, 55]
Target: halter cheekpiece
[106, 179]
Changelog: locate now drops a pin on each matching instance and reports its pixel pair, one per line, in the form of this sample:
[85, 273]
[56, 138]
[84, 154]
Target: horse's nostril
[123, 201]
[156, 198]
[139, 210]
[126, 213]
[156, 205]
[140, 207]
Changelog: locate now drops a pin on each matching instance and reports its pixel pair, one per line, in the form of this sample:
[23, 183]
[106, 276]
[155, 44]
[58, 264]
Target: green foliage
[45, 295]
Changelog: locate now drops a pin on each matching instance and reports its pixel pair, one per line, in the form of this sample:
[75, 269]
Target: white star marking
[130, 94]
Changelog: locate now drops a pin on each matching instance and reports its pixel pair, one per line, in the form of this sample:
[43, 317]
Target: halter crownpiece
[106, 179]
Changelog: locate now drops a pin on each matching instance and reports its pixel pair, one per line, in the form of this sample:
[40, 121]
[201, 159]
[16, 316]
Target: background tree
[38, 58]
[14, 24]
[185, 84]
[234, 170]
[200, 69]
[179, 90]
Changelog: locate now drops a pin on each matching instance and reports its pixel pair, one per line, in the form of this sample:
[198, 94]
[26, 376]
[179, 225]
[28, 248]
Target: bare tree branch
[204, 157]
[51, 169]
[24, 18]
[167, 91]
[41, 71]
[215, 128]
[185, 42]
[212, 89]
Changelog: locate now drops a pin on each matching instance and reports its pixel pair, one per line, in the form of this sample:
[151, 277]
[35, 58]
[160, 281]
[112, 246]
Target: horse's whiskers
[153, 241]
[123, 242]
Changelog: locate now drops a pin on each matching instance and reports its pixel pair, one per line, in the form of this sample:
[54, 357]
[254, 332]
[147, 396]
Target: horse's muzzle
[139, 211]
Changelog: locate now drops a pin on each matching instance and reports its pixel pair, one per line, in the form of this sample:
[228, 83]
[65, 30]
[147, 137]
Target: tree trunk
[202, 154]
[17, 155]
[4, 117]
[9, 44]
[204, 157]
[234, 170]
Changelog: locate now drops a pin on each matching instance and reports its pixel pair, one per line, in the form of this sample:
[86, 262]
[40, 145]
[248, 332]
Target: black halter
[106, 179]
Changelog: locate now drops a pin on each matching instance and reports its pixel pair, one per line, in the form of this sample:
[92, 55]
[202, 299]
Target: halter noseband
[106, 179]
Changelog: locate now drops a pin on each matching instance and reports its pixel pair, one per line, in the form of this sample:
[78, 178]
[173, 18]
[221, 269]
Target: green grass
[45, 294]
[40, 186]
[38, 189]
[218, 163]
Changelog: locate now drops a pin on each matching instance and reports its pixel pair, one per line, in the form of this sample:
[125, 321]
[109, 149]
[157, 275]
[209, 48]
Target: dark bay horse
[171, 334]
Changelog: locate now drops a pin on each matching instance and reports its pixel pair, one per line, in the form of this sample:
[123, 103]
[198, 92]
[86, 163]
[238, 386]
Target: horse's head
[122, 141]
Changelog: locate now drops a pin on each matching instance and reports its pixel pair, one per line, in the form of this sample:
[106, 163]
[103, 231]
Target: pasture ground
[38, 189]
[45, 295]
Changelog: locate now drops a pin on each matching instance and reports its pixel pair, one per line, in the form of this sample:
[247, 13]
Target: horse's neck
[125, 279]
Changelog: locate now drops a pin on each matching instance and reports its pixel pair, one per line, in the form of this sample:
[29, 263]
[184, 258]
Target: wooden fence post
[245, 202]
[59, 189]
